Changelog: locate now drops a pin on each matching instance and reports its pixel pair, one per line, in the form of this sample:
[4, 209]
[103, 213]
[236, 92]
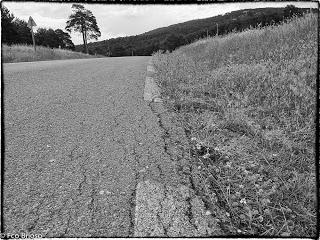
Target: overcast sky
[125, 20]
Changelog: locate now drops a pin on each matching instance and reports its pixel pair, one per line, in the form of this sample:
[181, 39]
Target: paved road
[78, 139]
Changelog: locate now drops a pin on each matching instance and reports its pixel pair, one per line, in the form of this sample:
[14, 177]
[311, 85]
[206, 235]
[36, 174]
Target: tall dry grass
[25, 53]
[247, 101]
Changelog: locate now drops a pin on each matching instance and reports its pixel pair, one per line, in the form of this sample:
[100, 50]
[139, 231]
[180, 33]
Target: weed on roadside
[247, 103]
[25, 53]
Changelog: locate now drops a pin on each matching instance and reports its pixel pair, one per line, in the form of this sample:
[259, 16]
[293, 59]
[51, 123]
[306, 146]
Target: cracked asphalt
[78, 139]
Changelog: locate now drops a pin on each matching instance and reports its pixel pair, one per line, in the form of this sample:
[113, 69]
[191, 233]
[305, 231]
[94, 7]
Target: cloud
[47, 22]
[26, 9]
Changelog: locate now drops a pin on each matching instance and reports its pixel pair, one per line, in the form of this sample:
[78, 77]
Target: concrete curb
[165, 209]
[151, 90]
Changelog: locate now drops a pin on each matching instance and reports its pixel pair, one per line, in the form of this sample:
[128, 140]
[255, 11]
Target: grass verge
[25, 53]
[247, 103]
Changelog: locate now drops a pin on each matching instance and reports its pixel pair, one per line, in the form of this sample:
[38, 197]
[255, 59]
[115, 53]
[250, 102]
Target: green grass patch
[26, 53]
[247, 101]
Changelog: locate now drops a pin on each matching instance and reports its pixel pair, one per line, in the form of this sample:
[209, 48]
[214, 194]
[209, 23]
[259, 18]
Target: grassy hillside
[247, 103]
[25, 53]
[170, 37]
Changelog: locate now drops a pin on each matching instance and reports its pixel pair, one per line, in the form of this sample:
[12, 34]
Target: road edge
[151, 90]
[170, 211]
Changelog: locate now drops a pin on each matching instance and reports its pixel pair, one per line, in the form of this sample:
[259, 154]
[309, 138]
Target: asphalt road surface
[78, 137]
[87, 156]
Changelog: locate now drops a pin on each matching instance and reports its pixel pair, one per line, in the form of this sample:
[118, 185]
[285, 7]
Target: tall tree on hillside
[64, 39]
[23, 32]
[83, 21]
[47, 37]
[54, 38]
[172, 41]
[291, 10]
[8, 31]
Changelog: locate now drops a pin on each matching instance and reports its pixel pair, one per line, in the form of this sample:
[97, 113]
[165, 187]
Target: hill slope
[173, 36]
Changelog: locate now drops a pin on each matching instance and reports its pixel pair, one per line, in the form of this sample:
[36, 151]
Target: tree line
[16, 31]
[174, 36]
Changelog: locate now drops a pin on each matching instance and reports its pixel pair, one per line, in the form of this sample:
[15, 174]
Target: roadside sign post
[34, 44]
[31, 23]
[217, 29]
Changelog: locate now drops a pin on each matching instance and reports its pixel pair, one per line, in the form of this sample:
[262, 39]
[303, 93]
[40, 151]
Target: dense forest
[171, 37]
[16, 31]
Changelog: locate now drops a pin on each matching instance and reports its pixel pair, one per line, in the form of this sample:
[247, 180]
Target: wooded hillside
[171, 37]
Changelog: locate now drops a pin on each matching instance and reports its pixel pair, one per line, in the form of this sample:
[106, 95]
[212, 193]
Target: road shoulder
[165, 209]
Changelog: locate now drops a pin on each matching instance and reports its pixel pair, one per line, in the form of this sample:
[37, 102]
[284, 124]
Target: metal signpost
[31, 23]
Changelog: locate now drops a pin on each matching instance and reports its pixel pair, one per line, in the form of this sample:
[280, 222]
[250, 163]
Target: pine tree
[83, 21]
